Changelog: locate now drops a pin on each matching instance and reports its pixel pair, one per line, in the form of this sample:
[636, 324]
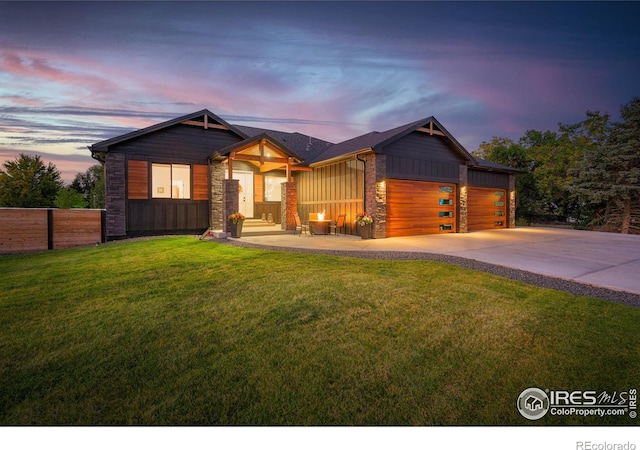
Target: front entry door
[245, 194]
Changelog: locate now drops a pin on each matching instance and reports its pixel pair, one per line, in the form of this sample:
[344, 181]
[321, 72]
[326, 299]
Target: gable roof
[254, 141]
[376, 141]
[309, 150]
[307, 147]
[211, 118]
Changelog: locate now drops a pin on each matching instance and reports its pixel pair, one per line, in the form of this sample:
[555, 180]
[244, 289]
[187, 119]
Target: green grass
[179, 331]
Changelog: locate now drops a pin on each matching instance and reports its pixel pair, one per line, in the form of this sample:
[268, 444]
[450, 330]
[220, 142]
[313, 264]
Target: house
[534, 403]
[188, 174]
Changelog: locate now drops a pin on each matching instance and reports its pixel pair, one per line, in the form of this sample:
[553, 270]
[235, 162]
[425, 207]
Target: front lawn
[180, 331]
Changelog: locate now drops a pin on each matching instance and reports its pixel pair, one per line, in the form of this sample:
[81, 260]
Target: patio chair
[300, 227]
[339, 223]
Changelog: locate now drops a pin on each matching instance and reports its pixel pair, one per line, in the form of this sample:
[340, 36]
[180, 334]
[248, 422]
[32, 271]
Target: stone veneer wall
[289, 205]
[463, 189]
[115, 195]
[511, 211]
[230, 201]
[216, 213]
[376, 192]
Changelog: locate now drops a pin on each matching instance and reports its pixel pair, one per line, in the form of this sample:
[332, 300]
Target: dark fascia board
[223, 153]
[103, 147]
[409, 128]
[342, 157]
[490, 166]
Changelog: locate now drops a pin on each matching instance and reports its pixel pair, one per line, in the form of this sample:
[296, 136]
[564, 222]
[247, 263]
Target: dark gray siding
[483, 178]
[180, 144]
[421, 157]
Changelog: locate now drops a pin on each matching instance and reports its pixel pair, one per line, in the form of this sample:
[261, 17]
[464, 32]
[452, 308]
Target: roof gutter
[364, 181]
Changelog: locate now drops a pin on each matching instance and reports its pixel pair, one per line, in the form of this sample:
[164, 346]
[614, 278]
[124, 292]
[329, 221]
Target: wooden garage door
[420, 207]
[487, 208]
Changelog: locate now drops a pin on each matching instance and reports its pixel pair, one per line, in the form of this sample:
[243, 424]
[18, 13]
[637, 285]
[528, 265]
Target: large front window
[171, 181]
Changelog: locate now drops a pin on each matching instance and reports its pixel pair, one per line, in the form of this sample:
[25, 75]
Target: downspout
[364, 182]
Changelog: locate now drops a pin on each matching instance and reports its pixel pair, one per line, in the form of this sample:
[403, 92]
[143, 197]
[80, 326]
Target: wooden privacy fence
[36, 229]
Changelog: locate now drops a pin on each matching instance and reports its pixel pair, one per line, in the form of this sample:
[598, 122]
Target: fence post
[50, 229]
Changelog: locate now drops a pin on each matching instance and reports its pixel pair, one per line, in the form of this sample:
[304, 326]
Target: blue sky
[72, 74]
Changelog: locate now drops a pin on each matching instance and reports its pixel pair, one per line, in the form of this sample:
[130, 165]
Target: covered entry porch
[255, 178]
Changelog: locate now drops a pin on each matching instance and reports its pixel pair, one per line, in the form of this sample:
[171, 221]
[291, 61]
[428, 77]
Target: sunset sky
[73, 74]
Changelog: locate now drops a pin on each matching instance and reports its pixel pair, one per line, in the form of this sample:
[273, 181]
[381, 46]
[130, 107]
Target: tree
[505, 151]
[91, 185]
[69, 198]
[28, 183]
[608, 176]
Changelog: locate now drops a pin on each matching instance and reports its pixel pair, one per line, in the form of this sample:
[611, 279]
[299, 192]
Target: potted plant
[237, 220]
[364, 222]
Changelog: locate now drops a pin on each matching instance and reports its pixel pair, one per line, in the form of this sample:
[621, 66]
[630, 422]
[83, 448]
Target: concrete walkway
[601, 259]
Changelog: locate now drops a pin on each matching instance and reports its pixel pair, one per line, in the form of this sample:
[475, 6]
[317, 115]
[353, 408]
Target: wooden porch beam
[260, 159]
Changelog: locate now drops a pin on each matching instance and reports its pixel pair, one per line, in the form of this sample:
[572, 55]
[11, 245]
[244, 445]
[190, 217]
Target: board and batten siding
[166, 216]
[421, 157]
[336, 189]
[488, 179]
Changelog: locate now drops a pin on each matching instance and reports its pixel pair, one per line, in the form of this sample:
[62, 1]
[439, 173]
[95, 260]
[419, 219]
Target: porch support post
[289, 205]
[511, 210]
[230, 159]
[216, 214]
[463, 200]
[230, 200]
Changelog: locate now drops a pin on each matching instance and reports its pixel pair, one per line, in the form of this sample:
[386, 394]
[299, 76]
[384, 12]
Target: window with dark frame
[171, 181]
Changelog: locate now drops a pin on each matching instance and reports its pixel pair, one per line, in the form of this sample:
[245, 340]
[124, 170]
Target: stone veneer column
[376, 192]
[230, 200]
[216, 213]
[115, 195]
[511, 211]
[463, 192]
[289, 205]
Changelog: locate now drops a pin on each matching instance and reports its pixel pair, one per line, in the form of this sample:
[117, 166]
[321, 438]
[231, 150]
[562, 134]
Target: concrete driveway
[601, 259]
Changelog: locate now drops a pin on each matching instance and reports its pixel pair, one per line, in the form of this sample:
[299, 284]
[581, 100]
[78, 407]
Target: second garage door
[487, 208]
[420, 207]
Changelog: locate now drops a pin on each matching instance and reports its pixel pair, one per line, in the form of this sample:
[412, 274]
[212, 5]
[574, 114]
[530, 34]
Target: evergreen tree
[609, 174]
